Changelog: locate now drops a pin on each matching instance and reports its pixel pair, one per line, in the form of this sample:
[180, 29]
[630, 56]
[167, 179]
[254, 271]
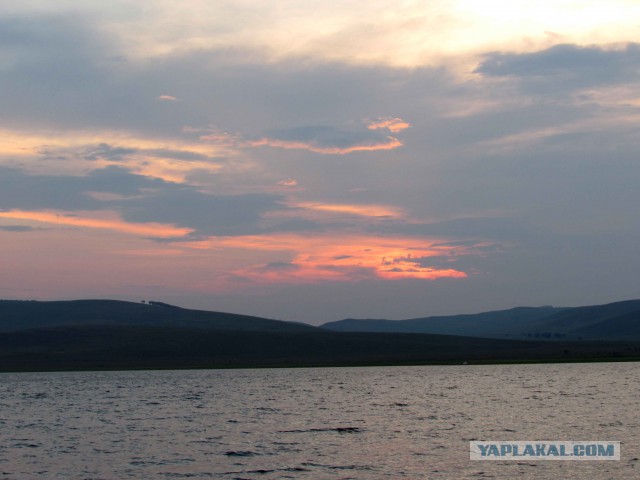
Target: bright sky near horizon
[319, 160]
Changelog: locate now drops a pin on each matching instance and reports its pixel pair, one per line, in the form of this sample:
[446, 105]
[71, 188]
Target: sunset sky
[317, 160]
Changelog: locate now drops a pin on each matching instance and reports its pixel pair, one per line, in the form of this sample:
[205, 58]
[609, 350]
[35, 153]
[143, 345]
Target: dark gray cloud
[567, 65]
[104, 151]
[17, 228]
[457, 243]
[280, 266]
[19, 190]
[301, 225]
[478, 260]
[207, 214]
[470, 229]
[115, 153]
[145, 199]
[67, 73]
[49, 64]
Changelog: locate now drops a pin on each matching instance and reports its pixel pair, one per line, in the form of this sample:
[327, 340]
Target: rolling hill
[108, 334]
[23, 315]
[610, 322]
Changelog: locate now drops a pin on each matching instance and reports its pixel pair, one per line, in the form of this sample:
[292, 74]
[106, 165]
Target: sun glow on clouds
[63, 153]
[408, 33]
[107, 221]
[394, 125]
[389, 144]
[336, 258]
[325, 140]
[288, 182]
[380, 211]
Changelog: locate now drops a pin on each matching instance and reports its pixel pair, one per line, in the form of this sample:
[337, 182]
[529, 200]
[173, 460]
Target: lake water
[318, 423]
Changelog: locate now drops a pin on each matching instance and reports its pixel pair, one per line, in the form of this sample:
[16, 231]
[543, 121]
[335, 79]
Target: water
[325, 423]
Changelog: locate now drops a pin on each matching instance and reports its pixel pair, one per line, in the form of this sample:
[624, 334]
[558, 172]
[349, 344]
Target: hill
[108, 334]
[119, 348]
[23, 315]
[496, 324]
[614, 321]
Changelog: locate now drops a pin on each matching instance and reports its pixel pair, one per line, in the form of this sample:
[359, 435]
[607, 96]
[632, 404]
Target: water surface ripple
[317, 423]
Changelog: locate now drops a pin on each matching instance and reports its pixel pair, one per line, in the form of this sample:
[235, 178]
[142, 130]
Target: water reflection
[361, 423]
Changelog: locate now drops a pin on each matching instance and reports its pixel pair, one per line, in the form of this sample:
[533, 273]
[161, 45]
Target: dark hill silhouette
[21, 315]
[100, 347]
[109, 334]
[617, 320]
[613, 321]
[495, 324]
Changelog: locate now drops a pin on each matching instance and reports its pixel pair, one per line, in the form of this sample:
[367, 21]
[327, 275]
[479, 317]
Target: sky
[319, 160]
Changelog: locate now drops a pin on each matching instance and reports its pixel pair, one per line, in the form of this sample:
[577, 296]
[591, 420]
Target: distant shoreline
[70, 369]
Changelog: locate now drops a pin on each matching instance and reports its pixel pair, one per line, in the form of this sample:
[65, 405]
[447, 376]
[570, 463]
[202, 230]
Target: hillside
[117, 348]
[23, 315]
[499, 324]
[108, 334]
[611, 322]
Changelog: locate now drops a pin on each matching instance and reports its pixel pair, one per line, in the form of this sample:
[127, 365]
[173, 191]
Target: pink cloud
[346, 258]
[107, 222]
[394, 125]
[369, 210]
[289, 182]
[389, 143]
[325, 140]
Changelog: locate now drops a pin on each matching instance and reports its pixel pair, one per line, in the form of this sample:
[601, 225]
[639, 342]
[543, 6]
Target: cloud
[517, 170]
[117, 153]
[481, 227]
[115, 224]
[137, 198]
[342, 258]
[19, 190]
[289, 182]
[207, 214]
[318, 139]
[236, 88]
[367, 210]
[394, 125]
[47, 58]
[271, 223]
[170, 164]
[104, 151]
[17, 228]
[328, 146]
[574, 65]
[403, 34]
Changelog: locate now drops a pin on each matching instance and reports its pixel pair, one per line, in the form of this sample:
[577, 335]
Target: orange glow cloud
[226, 139]
[337, 258]
[394, 125]
[23, 149]
[169, 170]
[289, 182]
[217, 137]
[351, 209]
[167, 98]
[390, 144]
[407, 34]
[145, 229]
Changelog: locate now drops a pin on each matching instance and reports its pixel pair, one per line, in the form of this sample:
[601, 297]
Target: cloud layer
[334, 154]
